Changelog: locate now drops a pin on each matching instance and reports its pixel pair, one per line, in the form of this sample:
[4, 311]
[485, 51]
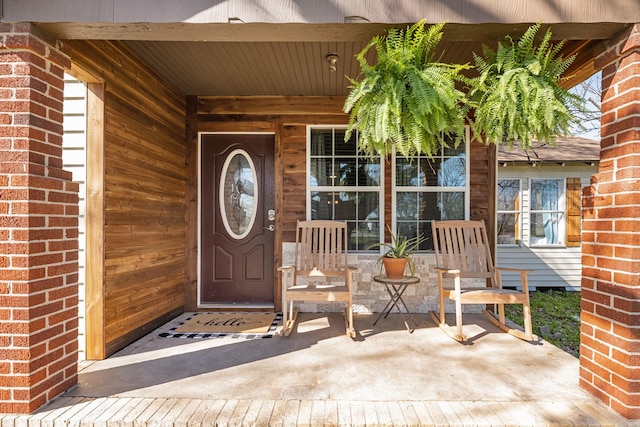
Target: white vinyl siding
[552, 267]
[74, 160]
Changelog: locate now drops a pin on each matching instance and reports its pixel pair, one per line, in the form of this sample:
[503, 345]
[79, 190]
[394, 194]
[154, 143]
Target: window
[547, 216]
[509, 205]
[343, 185]
[430, 189]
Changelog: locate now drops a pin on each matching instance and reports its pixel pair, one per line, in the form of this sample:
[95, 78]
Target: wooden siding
[288, 118]
[136, 178]
[482, 186]
[74, 160]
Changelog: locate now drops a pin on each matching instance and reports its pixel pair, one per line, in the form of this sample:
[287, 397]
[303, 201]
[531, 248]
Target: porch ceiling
[259, 59]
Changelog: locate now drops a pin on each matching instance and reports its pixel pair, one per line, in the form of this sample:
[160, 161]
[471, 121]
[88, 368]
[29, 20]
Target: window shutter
[574, 192]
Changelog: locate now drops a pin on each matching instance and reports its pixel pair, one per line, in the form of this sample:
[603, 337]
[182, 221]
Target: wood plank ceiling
[288, 68]
[290, 59]
[295, 64]
[269, 47]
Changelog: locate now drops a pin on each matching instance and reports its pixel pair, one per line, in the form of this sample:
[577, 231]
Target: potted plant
[406, 98]
[398, 254]
[409, 100]
[517, 95]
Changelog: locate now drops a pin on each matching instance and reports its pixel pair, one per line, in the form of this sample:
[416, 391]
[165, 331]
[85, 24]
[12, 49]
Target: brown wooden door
[237, 218]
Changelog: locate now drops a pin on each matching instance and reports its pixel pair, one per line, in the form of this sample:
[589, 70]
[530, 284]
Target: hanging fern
[406, 99]
[517, 94]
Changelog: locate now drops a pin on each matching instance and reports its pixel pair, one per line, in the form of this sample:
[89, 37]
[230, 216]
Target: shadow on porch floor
[386, 376]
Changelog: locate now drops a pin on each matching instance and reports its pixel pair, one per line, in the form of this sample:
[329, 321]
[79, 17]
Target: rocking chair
[462, 252]
[321, 259]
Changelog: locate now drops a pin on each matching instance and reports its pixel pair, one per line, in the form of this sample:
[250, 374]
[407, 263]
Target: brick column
[610, 331]
[38, 226]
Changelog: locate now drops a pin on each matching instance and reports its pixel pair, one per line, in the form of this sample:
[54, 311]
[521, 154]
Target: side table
[395, 289]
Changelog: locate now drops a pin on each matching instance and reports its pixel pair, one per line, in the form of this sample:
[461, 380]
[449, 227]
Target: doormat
[241, 325]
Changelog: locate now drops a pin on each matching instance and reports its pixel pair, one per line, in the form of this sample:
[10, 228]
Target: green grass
[559, 311]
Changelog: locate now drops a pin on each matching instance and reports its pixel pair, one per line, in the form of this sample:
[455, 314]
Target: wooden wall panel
[294, 178]
[143, 184]
[483, 186]
[94, 262]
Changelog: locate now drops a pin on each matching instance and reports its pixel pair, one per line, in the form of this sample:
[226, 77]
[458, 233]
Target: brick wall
[610, 331]
[38, 226]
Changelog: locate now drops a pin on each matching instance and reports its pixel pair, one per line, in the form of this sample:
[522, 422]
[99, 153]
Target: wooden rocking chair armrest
[288, 273]
[448, 270]
[349, 271]
[523, 276]
[517, 270]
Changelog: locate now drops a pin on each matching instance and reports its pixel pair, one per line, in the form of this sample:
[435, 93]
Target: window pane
[342, 148]
[407, 229]
[406, 172]
[368, 172]
[416, 210]
[547, 228]
[460, 150]
[508, 194]
[425, 172]
[359, 209]
[429, 172]
[363, 234]
[322, 142]
[452, 172]
[321, 172]
[355, 205]
[406, 206]
[322, 204]
[413, 229]
[451, 205]
[345, 206]
[345, 172]
[545, 194]
[507, 228]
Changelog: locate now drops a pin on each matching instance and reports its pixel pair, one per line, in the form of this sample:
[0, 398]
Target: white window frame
[432, 189]
[562, 209]
[519, 212]
[379, 189]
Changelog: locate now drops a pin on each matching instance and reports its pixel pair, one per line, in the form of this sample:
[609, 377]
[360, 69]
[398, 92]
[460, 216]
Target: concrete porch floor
[319, 376]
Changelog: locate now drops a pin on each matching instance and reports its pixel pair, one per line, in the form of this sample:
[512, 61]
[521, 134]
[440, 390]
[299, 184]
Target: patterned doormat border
[179, 321]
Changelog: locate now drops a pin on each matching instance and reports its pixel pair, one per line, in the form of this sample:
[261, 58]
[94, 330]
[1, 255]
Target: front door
[237, 220]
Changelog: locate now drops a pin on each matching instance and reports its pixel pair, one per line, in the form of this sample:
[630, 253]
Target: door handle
[270, 228]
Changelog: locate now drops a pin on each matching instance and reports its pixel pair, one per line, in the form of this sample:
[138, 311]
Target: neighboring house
[539, 211]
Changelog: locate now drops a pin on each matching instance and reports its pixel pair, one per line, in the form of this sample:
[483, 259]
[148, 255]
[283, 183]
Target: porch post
[610, 331]
[38, 226]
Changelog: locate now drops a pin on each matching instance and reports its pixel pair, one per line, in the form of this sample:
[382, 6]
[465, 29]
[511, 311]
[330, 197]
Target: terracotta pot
[394, 267]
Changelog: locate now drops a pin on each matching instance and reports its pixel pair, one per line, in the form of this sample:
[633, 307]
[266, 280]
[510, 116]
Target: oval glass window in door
[238, 194]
